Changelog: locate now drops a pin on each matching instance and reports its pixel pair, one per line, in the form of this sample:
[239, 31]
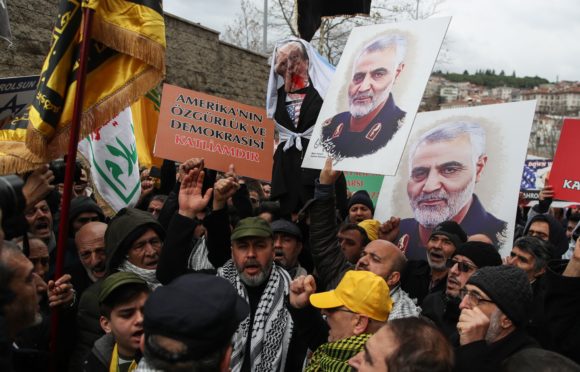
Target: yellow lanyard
[114, 366]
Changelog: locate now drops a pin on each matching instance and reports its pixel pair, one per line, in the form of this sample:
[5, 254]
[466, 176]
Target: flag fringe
[129, 42]
[16, 158]
[93, 117]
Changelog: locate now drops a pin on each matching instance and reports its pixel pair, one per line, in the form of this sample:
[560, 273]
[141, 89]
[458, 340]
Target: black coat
[444, 312]
[480, 356]
[293, 185]
[416, 281]
[562, 311]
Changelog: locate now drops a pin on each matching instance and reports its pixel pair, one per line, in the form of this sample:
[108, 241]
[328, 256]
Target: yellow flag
[145, 116]
[126, 60]
[14, 155]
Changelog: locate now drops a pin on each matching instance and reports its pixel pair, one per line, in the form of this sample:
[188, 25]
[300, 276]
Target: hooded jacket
[557, 234]
[126, 227]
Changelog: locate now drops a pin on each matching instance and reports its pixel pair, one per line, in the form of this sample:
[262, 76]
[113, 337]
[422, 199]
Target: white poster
[463, 164]
[369, 109]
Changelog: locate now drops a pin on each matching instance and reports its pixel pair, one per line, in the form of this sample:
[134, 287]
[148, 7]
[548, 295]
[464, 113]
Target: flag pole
[69, 171]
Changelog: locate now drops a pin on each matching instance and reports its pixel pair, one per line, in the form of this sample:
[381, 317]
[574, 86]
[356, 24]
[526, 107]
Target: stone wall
[196, 58]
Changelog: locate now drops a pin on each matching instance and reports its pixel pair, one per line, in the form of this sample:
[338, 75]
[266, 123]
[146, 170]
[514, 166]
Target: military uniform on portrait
[339, 142]
[476, 221]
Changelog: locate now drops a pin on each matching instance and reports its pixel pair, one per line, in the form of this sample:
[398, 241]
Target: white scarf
[145, 274]
[272, 327]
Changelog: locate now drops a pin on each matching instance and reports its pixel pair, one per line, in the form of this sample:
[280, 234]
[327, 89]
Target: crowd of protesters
[215, 272]
[207, 273]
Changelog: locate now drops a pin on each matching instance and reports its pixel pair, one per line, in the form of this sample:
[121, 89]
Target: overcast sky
[532, 37]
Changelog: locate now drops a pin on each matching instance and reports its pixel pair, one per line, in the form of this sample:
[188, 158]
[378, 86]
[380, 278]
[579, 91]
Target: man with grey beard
[445, 163]
[373, 117]
[495, 305]
[267, 339]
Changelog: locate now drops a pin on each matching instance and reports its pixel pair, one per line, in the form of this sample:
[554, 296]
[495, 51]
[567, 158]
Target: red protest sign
[565, 173]
[223, 132]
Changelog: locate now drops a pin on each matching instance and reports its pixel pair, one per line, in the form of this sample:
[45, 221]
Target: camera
[58, 168]
[11, 197]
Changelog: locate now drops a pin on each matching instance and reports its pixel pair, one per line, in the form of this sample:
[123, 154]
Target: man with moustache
[424, 277]
[287, 246]
[373, 117]
[442, 307]
[39, 219]
[266, 340]
[90, 244]
[19, 301]
[445, 163]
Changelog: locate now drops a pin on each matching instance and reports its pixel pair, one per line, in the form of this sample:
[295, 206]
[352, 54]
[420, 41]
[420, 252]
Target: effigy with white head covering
[299, 79]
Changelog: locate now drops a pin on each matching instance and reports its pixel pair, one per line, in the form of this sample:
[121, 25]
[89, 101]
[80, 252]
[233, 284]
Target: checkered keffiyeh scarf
[334, 356]
[272, 327]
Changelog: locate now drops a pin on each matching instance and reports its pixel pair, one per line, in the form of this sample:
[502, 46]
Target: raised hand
[225, 188]
[188, 165]
[190, 199]
[37, 185]
[328, 176]
[300, 290]
[389, 230]
[472, 325]
[61, 291]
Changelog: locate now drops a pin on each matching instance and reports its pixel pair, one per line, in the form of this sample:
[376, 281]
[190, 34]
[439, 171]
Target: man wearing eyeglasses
[442, 307]
[494, 307]
[356, 309]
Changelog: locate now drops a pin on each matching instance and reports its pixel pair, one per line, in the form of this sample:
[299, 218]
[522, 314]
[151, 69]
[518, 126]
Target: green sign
[363, 181]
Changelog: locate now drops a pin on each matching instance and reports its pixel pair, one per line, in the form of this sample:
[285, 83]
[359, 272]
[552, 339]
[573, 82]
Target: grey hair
[399, 42]
[450, 131]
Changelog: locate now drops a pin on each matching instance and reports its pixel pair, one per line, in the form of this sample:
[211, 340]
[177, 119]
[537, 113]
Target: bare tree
[333, 32]
[246, 30]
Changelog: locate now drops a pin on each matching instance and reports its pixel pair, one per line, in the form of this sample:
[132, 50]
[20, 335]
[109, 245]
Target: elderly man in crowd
[357, 308]
[494, 313]
[442, 307]
[380, 256]
[133, 242]
[422, 278]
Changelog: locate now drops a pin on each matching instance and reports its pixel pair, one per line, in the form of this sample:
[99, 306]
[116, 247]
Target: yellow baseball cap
[371, 227]
[362, 292]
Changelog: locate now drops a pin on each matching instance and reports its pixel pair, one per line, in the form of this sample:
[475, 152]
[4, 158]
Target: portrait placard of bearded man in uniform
[371, 103]
[373, 117]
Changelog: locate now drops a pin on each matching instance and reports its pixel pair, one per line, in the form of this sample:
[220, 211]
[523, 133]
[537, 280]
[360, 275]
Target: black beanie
[361, 197]
[82, 204]
[482, 254]
[452, 230]
[508, 287]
